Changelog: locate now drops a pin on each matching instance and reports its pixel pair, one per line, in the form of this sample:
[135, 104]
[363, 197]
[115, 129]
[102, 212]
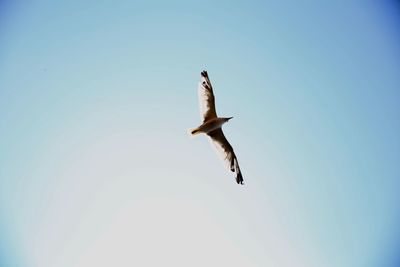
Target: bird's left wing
[225, 149]
[206, 98]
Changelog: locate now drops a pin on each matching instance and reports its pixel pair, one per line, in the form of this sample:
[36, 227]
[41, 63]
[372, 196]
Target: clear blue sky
[97, 169]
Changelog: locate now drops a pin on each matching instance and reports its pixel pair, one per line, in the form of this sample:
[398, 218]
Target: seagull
[212, 126]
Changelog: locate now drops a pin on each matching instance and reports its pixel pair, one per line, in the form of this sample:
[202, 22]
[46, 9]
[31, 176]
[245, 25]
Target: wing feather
[226, 151]
[206, 98]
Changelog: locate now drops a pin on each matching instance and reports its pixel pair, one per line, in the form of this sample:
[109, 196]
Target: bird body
[212, 126]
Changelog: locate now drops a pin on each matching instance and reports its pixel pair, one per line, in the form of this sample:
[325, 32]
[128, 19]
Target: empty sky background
[97, 169]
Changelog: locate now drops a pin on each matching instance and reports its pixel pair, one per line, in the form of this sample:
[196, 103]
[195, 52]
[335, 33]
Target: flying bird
[212, 126]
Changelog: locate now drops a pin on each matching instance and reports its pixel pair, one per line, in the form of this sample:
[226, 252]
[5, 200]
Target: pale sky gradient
[97, 169]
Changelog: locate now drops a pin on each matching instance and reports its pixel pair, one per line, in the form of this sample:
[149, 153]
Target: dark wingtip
[204, 73]
[233, 165]
[239, 178]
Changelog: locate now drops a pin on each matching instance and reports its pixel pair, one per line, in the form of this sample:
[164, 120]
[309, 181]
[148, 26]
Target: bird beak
[230, 118]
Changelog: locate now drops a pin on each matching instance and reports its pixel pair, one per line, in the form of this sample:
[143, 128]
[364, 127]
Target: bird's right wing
[226, 151]
[206, 98]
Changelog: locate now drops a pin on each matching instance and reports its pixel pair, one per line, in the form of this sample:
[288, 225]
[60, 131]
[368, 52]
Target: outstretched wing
[206, 98]
[227, 153]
